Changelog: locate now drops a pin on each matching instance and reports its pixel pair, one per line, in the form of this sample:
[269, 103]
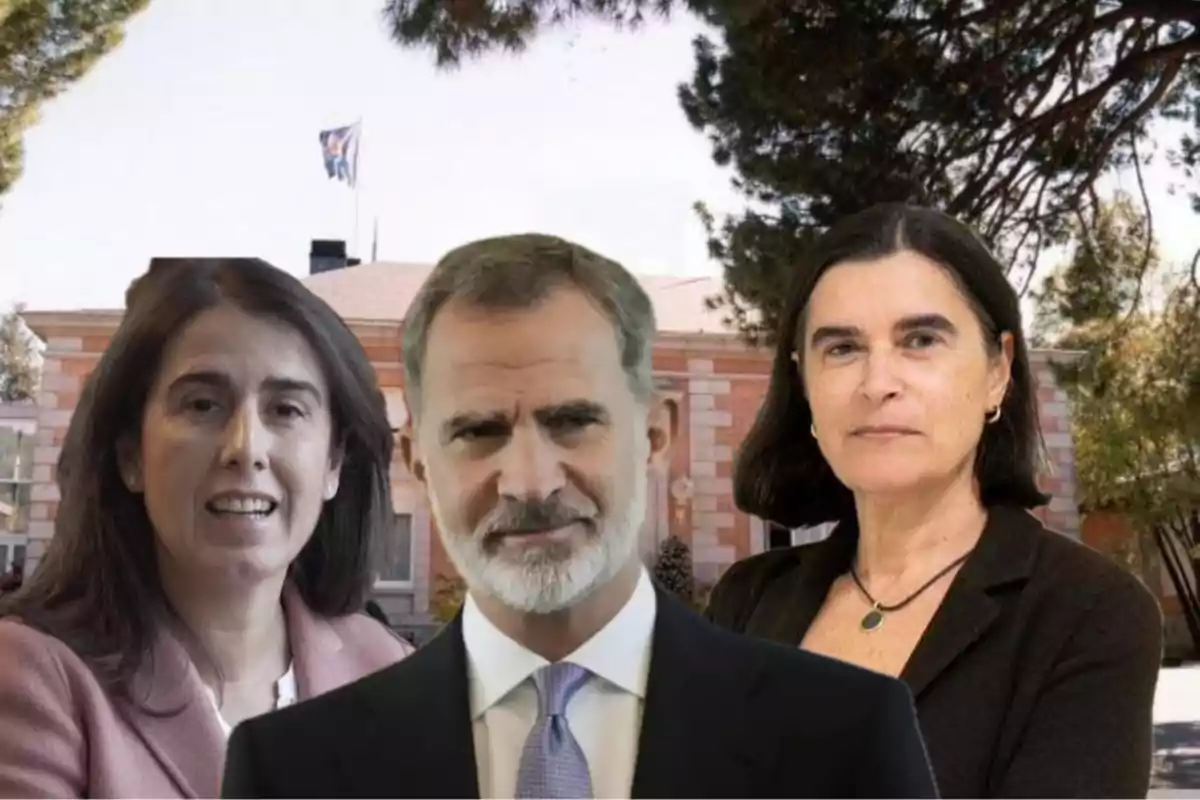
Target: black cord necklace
[873, 619]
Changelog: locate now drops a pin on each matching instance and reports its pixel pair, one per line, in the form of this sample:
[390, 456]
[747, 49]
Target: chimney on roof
[327, 255]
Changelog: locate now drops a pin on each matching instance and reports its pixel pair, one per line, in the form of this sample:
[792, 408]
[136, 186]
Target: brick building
[1113, 533]
[714, 381]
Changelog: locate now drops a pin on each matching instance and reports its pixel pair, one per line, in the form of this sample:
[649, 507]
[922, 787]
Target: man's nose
[245, 440]
[530, 466]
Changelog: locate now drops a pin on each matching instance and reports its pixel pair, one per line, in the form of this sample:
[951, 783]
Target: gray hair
[516, 273]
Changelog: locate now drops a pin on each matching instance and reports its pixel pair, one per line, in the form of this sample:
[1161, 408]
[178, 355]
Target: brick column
[710, 465]
[65, 366]
[1058, 476]
[381, 341]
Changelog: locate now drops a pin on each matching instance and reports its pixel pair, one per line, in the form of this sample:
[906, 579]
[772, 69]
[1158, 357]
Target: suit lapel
[1004, 556]
[692, 743]
[418, 732]
[175, 719]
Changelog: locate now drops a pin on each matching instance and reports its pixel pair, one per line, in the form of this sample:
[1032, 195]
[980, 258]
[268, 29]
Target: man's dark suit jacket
[1035, 677]
[724, 716]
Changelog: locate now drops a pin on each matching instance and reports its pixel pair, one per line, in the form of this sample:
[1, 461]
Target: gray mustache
[521, 517]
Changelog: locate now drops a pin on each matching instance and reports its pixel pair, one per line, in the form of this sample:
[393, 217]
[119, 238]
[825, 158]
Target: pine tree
[1134, 388]
[673, 568]
[45, 45]
[19, 361]
[1004, 114]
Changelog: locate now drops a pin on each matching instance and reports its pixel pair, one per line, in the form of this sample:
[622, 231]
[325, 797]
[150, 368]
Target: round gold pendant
[872, 620]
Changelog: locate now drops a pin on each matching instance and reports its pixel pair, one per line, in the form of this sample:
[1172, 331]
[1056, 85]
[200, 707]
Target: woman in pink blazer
[223, 482]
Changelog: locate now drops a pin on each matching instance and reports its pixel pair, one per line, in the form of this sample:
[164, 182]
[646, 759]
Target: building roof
[383, 291]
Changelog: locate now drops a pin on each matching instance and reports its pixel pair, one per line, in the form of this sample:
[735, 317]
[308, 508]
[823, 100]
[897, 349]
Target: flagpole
[357, 179]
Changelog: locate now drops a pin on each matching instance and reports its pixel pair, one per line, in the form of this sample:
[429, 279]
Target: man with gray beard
[567, 673]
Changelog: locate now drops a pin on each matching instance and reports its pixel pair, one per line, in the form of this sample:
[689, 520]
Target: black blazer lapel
[1003, 557]
[785, 617]
[421, 736]
[692, 743]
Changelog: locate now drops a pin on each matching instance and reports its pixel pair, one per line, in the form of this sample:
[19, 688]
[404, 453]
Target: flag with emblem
[339, 148]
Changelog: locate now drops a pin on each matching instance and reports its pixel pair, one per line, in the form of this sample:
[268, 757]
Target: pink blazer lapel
[317, 655]
[173, 716]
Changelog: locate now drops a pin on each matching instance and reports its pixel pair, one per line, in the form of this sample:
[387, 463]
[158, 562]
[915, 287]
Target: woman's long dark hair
[97, 587]
[780, 473]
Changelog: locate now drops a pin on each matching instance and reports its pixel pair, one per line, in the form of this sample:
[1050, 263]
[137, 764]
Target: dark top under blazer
[724, 716]
[1036, 675]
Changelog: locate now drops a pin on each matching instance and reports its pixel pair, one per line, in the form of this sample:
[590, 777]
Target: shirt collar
[619, 653]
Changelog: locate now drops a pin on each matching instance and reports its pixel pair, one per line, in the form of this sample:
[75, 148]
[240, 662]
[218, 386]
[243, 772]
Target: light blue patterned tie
[552, 763]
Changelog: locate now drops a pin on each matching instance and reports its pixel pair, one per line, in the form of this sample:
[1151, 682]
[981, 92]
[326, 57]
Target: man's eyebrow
[471, 419]
[572, 408]
[544, 415]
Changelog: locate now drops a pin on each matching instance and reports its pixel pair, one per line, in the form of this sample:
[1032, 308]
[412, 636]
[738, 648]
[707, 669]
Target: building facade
[713, 381]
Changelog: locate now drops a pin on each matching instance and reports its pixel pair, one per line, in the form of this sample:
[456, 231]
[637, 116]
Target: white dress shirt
[285, 695]
[605, 715]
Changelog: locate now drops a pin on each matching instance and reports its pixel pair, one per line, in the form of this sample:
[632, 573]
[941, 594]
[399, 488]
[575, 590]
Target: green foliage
[1135, 384]
[673, 568]
[460, 29]
[46, 45]
[1003, 114]
[20, 363]
[1111, 261]
[448, 597]
[1134, 388]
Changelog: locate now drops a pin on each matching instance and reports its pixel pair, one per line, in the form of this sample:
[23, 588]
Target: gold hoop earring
[994, 415]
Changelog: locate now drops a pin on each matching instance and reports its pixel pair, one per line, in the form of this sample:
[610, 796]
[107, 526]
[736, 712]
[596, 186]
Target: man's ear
[129, 463]
[410, 451]
[662, 424]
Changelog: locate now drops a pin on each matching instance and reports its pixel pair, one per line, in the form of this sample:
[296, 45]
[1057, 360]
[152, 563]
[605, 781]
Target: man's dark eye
[476, 432]
[571, 422]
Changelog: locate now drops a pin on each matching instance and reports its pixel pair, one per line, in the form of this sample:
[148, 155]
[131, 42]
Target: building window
[12, 553]
[16, 455]
[16, 479]
[15, 499]
[396, 569]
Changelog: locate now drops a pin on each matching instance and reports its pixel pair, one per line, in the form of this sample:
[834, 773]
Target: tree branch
[1131, 67]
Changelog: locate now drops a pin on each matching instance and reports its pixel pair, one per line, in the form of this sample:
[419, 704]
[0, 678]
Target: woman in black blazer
[902, 407]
